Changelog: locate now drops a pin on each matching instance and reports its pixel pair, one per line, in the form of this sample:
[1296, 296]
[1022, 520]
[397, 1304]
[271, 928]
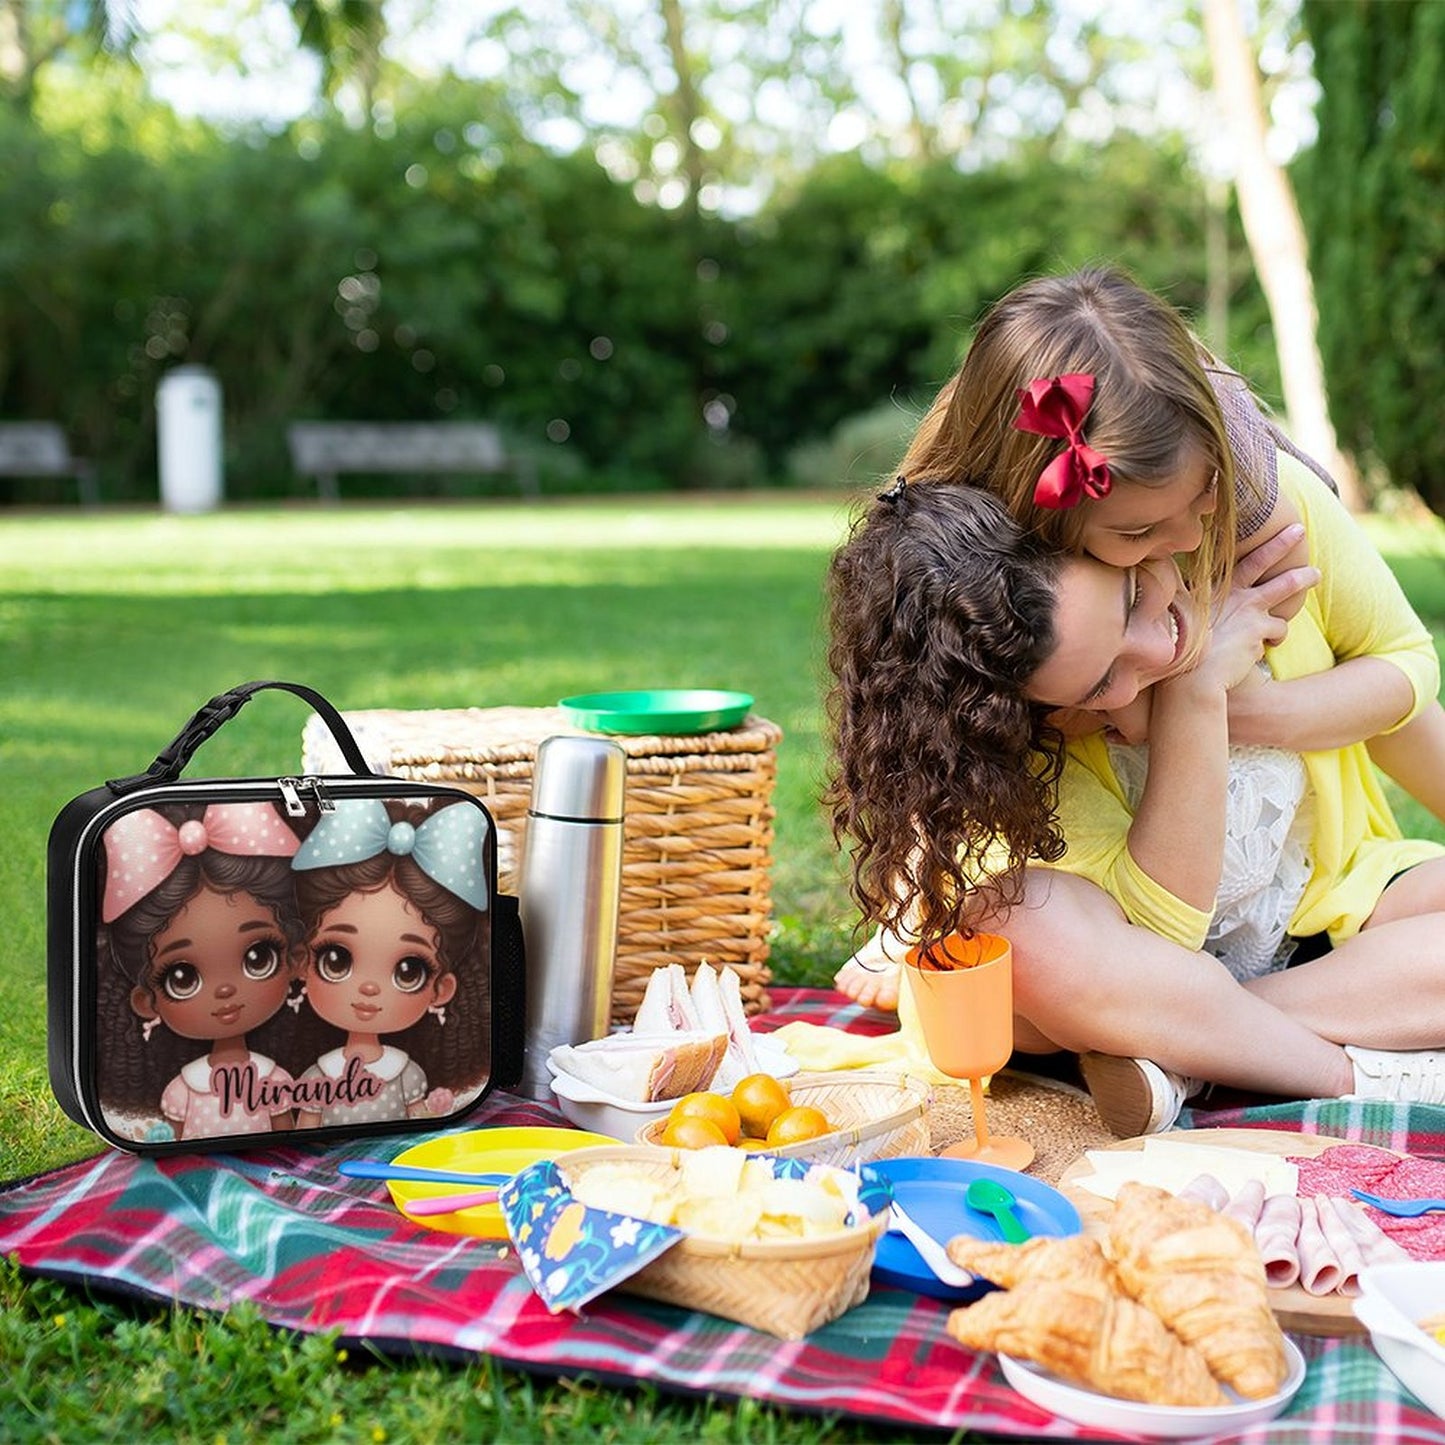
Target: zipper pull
[323, 803]
[291, 796]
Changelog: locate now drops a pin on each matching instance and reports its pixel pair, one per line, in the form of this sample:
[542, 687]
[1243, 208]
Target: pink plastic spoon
[450, 1203]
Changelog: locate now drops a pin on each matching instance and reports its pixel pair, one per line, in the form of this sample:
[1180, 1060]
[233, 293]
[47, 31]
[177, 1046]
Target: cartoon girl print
[200, 927]
[393, 899]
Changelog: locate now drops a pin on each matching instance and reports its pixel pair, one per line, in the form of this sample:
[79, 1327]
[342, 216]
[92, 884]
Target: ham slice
[1276, 1234]
[1207, 1190]
[1341, 1242]
[1247, 1204]
[1320, 1271]
[1376, 1247]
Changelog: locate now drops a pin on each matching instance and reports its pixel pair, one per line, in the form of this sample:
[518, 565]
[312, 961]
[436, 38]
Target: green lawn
[113, 628]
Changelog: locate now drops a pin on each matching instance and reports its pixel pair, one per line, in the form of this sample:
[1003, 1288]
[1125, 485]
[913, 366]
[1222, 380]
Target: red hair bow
[1056, 407]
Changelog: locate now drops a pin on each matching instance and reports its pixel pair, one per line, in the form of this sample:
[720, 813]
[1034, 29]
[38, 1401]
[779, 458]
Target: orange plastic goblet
[963, 991]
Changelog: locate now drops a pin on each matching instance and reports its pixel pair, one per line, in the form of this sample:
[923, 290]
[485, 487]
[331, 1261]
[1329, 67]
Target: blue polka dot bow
[447, 847]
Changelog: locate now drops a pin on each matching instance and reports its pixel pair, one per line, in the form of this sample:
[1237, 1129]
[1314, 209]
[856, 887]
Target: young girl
[199, 931]
[1163, 452]
[955, 638]
[392, 897]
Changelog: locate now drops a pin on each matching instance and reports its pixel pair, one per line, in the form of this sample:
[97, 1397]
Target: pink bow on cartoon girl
[142, 848]
[1056, 407]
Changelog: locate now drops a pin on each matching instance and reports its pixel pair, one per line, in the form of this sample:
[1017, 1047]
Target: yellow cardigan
[1357, 610]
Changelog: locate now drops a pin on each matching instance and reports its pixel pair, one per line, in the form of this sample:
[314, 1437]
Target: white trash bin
[188, 425]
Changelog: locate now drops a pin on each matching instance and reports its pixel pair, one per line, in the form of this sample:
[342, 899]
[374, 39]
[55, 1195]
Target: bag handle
[208, 718]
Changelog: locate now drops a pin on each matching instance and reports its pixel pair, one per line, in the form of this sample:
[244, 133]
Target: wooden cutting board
[1295, 1308]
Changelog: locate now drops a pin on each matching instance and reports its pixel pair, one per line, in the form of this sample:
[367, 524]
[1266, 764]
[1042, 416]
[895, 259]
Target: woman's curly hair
[943, 771]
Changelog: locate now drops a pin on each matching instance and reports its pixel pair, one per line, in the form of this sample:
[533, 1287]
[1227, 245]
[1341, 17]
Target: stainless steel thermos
[570, 881]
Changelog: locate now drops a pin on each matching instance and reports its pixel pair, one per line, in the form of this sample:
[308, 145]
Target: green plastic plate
[660, 710]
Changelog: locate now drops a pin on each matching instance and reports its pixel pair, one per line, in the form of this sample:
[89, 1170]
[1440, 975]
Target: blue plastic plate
[932, 1191]
[661, 711]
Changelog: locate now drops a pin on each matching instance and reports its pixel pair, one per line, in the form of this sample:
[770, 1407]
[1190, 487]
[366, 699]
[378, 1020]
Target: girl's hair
[452, 1055]
[943, 772]
[1152, 399]
[135, 1070]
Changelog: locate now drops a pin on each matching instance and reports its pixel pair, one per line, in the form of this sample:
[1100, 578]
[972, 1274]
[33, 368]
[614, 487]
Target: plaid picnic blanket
[314, 1251]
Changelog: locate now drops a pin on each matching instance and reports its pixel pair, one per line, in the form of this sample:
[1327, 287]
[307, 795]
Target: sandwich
[713, 1003]
[644, 1068]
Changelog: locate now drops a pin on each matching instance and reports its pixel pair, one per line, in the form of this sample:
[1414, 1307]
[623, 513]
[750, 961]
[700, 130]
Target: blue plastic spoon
[1401, 1208]
[381, 1169]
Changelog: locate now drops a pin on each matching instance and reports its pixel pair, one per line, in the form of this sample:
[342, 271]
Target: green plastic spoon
[988, 1196]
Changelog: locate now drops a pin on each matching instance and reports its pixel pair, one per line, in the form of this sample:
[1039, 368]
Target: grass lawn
[113, 628]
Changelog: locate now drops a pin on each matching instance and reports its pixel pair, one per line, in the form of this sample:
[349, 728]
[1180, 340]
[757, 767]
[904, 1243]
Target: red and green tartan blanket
[314, 1251]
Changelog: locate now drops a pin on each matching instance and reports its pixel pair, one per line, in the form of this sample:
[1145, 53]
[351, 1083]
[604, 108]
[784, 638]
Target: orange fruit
[692, 1133]
[797, 1123]
[760, 1098]
[716, 1108]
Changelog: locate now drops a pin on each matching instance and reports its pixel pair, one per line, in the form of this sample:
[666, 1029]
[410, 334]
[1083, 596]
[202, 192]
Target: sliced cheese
[1171, 1163]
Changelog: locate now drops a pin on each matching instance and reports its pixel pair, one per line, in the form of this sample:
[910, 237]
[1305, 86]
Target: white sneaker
[1407, 1076]
[1135, 1096]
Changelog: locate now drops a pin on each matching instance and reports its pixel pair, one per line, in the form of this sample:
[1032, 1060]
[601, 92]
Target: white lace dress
[1266, 852]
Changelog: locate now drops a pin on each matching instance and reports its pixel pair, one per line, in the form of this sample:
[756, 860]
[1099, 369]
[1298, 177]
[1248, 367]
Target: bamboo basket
[697, 836]
[786, 1288]
[876, 1116]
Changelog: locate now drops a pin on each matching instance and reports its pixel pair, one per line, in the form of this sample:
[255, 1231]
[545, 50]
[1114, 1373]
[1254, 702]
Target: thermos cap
[581, 778]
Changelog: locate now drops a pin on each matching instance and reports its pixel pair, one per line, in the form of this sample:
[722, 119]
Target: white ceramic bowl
[588, 1107]
[1393, 1299]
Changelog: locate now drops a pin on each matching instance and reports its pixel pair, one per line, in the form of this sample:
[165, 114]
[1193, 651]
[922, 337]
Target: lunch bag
[230, 959]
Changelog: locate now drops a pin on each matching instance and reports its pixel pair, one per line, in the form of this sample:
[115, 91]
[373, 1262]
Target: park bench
[39, 449]
[326, 450]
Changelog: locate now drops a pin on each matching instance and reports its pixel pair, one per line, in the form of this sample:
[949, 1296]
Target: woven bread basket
[785, 1287]
[697, 834]
[874, 1116]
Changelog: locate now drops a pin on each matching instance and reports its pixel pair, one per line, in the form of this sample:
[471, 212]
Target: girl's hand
[1297, 555]
[439, 1102]
[1246, 621]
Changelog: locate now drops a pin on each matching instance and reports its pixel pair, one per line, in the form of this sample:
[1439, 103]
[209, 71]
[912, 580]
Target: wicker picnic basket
[697, 836]
[785, 1287]
[876, 1116]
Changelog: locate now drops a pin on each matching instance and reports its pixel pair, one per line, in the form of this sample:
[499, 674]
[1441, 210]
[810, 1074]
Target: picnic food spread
[1196, 1252]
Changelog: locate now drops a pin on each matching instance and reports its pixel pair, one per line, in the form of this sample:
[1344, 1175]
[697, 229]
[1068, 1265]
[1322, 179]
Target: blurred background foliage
[758, 276]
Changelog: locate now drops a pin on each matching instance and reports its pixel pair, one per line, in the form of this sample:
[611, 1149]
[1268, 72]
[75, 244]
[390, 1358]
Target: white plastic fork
[930, 1250]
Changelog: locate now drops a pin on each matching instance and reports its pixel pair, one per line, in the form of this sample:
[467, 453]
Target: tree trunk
[1276, 239]
[686, 109]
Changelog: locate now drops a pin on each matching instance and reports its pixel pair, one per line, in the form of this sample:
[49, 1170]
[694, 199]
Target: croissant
[1079, 1256]
[1090, 1335]
[1202, 1275]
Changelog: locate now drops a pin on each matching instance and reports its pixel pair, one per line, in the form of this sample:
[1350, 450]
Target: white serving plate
[1158, 1422]
[1393, 1299]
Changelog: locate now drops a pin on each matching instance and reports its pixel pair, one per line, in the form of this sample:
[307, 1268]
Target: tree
[1371, 192]
[346, 35]
[34, 33]
[1276, 241]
